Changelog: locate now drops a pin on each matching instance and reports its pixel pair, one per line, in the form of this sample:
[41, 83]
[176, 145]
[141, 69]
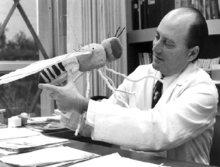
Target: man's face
[170, 53]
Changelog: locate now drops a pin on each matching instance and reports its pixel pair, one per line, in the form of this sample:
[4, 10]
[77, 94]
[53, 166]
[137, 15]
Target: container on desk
[14, 122]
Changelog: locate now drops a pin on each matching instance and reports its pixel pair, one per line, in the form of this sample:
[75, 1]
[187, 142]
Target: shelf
[214, 27]
[144, 35]
[147, 35]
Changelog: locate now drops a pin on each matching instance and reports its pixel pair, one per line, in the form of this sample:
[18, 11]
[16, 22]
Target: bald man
[180, 125]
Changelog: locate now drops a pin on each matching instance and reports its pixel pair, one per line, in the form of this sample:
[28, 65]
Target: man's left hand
[67, 97]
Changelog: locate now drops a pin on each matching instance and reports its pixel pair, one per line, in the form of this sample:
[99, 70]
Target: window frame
[52, 35]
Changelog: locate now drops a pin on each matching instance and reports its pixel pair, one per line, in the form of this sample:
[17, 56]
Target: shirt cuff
[90, 116]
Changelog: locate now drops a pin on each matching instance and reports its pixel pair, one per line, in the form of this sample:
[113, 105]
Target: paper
[6, 152]
[12, 133]
[114, 160]
[40, 120]
[47, 156]
[30, 143]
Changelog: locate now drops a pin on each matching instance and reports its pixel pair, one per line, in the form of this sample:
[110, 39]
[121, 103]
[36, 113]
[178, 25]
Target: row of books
[148, 13]
[207, 64]
[209, 8]
[145, 58]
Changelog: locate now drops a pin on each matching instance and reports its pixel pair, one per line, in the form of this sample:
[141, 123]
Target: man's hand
[67, 97]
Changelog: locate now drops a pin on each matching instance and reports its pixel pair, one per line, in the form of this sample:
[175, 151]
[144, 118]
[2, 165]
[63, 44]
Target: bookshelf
[140, 39]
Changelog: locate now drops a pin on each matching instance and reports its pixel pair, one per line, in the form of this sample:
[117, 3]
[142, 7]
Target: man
[181, 123]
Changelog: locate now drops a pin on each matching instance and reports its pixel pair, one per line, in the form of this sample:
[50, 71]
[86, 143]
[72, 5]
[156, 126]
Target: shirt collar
[168, 80]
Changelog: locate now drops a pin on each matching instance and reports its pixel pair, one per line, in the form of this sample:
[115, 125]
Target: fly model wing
[33, 68]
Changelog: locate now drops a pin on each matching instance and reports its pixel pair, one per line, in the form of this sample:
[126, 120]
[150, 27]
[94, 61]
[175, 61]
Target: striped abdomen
[49, 74]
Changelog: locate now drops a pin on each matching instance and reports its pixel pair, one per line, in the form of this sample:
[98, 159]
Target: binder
[215, 10]
[168, 6]
[154, 13]
[204, 8]
[144, 14]
[208, 9]
[177, 4]
[135, 14]
[186, 3]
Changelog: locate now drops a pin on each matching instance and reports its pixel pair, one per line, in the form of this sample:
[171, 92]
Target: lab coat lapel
[175, 87]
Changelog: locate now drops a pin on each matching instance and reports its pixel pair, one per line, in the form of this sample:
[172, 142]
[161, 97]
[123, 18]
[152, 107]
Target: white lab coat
[181, 122]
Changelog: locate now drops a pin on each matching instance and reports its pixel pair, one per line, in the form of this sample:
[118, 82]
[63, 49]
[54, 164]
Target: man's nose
[157, 46]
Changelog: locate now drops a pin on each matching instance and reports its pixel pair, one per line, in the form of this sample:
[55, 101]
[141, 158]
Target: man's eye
[157, 37]
[169, 44]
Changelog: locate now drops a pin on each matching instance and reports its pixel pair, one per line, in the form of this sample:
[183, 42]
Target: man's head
[180, 39]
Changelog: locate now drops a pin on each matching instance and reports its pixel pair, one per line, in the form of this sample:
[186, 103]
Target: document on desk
[47, 156]
[40, 120]
[31, 143]
[108, 161]
[12, 133]
[113, 160]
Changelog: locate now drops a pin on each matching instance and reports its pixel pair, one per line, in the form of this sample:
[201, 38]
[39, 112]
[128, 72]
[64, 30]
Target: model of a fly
[90, 57]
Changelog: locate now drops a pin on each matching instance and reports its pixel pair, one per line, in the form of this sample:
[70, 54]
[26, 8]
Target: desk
[103, 150]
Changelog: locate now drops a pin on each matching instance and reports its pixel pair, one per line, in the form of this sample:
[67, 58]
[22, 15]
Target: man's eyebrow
[165, 38]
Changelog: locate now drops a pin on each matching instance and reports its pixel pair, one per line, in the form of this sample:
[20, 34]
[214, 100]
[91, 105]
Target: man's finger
[59, 80]
[69, 77]
[48, 87]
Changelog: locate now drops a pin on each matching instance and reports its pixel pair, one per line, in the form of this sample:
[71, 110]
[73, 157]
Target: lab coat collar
[184, 76]
[180, 78]
[175, 84]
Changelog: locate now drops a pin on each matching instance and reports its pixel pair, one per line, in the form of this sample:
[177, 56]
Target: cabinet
[141, 40]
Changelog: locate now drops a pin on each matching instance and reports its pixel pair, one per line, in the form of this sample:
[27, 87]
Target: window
[17, 50]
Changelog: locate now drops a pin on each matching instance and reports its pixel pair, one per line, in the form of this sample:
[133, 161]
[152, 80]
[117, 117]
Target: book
[154, 13]
[198, 5]
[177, 4]
[186, 3]
[141, 59]
[215, 9]
[219, 6]
[204, 8]
[168, 5]
[135, 14]
[147, 58]
[139, 13]
[144, 14]
[208, 9]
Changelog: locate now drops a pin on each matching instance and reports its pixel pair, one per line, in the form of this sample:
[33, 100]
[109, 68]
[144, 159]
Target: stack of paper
[31, 143]
[13, 133]
[206, 64]
[113, 160]
[40, 120]
[48, 156]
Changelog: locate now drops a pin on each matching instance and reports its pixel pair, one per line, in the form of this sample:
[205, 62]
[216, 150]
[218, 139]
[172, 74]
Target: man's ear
[193, 53]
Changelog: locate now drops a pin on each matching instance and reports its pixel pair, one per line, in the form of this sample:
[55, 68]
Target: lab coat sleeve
[73, 119]
[165, 127]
